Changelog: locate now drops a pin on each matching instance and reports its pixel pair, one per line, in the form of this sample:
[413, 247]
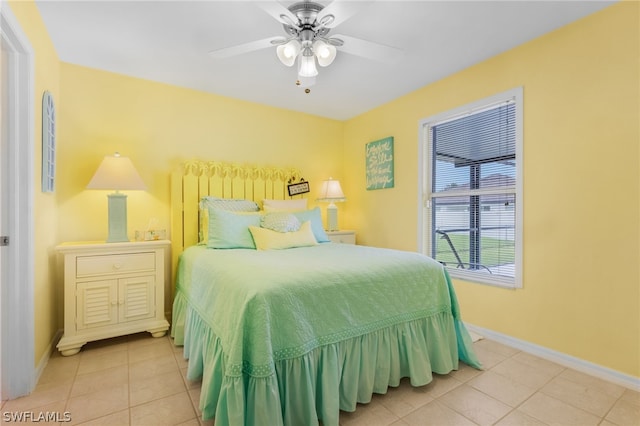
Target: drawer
[114, 264]
[343, 238]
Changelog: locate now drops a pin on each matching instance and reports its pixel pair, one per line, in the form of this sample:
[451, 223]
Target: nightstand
[342, 237]
[112, 289]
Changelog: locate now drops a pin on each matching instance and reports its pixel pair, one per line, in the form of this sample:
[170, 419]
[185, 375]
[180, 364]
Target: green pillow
[229, 230]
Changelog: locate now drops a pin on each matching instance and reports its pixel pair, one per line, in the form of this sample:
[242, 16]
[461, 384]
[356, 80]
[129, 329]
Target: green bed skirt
[317, 385]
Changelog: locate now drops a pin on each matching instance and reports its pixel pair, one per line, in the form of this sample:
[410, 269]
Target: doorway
[16, 209]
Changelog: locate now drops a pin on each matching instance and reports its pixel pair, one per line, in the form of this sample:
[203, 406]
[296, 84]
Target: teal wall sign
[379, 157]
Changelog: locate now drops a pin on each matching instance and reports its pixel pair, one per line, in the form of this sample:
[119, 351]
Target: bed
[291, 336]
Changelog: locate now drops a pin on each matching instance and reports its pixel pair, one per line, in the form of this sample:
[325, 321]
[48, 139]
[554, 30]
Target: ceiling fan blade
[227, 52]
[341, 11]
[278, 12]
[368, 49]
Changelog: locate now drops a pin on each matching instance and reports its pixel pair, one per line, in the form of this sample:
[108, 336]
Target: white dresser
[342, 237]
[112, 289]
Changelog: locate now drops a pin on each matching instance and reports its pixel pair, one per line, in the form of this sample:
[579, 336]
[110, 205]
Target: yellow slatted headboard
[196, 179]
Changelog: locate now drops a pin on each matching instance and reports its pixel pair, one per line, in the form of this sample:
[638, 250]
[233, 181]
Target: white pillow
[284, 205]
[266, 239]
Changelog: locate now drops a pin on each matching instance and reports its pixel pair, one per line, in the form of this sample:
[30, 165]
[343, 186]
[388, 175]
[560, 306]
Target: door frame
[17, 367]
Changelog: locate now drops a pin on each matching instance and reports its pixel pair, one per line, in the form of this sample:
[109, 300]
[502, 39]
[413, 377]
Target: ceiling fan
[307, 25]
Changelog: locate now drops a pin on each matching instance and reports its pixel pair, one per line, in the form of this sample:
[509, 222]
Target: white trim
[44, 360]
[608, 374]
[424, 183]
[17, 334]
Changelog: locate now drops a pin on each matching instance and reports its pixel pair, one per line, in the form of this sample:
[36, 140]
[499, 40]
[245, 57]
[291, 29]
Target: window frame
[425, 213]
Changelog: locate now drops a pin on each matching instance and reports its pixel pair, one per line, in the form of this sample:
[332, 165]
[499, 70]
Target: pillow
[284, 205]
[229, 230]
[280, 222]
[315, 217]
[266, 239]
[229, 204]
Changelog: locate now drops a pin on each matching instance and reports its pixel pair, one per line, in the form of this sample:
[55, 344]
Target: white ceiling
[169, 41]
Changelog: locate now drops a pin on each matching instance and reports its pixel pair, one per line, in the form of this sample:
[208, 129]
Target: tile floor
[139, 380]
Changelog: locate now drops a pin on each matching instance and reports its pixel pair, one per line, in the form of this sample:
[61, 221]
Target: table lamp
[117, 173]
[331, 192]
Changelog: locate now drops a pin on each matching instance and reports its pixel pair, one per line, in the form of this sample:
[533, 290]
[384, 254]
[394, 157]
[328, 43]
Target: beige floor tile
[192, 422]
[172, 410]
[149, 351]
[440, 385]
[156, 387]
[489, 358]
[42, 395]
[96, 361]
[631, 396]
[190, 384]
[496, 347]
[98, 404]
[502, 388]
[368, 415]
[436, 414]
[152, 367]
[100, 380]
[465, 373]
[624, 413]
[540, 364]
[475, 405]
[522, 373]
[518, 418]
[405, 398]
[121, 418]
[592, 382]
[555, 412]
[194, 395]
[140, 380]
[579, 396]
[59, 369]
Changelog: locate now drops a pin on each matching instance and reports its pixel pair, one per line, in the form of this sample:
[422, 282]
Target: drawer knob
[117, 265]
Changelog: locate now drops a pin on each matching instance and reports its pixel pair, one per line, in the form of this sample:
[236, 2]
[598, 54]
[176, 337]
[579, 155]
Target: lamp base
[332, 217]
[117, 218]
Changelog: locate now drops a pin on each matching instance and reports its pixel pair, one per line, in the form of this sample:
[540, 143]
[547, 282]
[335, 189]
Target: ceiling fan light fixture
[307, 66]
[325, 52]
[288, 52]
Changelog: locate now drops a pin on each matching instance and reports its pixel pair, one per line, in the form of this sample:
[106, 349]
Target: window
[471, 190]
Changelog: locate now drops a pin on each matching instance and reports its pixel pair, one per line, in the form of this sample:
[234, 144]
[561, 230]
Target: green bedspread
[265, 308]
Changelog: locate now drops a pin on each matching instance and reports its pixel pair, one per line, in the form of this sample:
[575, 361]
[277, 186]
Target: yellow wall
[581, 292]
[158, 126]
[48, 300]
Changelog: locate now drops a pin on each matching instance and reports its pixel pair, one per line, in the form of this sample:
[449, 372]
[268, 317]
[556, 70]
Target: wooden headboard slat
[195, 179]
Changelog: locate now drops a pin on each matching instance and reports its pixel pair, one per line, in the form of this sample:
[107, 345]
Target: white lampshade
[288, 52]
[331, 192]
[325, 52]
[117, 173]
[307, 66]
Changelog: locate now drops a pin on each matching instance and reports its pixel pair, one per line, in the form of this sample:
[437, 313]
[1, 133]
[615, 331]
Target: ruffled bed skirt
[317, 385]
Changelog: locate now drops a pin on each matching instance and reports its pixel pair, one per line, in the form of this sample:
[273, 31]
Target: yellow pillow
[266, 239]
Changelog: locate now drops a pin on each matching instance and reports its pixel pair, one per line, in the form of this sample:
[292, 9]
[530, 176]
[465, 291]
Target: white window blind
[472, 190]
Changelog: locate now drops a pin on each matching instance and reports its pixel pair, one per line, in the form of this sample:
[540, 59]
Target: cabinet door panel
[97, 303]
[137, 298]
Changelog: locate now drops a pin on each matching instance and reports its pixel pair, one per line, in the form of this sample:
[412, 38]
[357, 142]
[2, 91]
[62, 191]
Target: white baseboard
[45, 358]
[569, 361]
